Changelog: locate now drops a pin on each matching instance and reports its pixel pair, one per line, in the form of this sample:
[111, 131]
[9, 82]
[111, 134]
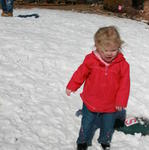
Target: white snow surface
[37, 59]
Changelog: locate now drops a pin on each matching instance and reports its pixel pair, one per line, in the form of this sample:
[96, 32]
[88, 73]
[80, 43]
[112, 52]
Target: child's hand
[119, 108]
[68, 92]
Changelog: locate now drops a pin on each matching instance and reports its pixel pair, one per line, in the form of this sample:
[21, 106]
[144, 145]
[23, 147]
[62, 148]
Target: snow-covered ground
[37, 59]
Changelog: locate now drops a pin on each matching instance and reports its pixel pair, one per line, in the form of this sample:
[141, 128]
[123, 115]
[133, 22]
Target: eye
[114, 50]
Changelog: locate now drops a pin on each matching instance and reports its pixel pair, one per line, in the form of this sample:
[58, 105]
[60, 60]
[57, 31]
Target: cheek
[103, 54]
[115, 53]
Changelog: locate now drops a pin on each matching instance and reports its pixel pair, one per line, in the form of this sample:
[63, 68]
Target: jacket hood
[119, 58]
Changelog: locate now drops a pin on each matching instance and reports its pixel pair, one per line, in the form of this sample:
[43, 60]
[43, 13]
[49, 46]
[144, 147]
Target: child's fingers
[68, 92]
[119, 108]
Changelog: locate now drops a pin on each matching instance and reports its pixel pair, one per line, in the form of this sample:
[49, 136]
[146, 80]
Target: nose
[109, 53]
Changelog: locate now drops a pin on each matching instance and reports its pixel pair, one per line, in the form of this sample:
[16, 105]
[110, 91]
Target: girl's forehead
[111, 45]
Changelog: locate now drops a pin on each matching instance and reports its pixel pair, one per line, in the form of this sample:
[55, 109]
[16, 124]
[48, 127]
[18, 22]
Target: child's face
[108, 53]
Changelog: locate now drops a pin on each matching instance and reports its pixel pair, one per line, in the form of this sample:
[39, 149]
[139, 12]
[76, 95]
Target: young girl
[105, 74]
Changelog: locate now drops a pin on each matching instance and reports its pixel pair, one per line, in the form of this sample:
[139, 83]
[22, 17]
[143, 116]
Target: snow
[37, 59]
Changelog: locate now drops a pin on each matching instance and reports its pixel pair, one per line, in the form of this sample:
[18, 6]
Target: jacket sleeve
[124, 89]
[79, 76]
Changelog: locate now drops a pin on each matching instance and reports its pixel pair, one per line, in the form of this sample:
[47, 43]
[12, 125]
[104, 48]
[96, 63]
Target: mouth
[108, 59]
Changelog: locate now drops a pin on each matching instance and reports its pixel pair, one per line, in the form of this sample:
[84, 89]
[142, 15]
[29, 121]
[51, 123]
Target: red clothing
[104, 86]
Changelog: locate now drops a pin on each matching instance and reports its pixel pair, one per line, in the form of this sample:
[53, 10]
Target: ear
[95, 45]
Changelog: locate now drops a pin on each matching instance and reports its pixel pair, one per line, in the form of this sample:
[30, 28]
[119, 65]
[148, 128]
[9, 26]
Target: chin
[109, 61]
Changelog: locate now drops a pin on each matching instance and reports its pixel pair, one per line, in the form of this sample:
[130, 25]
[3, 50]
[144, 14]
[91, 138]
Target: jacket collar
[99, 57]
[118, 58]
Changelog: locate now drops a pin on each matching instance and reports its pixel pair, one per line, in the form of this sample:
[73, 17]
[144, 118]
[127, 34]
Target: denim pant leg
[120, 119]
[106, 128]
[91, 134]
[9, 4]
[4, 7]
[120, 114]
[88, 119]
[95, 126]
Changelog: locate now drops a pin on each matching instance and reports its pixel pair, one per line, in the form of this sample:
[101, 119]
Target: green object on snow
[133, 125]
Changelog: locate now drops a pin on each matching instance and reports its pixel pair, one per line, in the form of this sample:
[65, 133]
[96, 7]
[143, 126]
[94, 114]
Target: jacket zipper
[106, 70]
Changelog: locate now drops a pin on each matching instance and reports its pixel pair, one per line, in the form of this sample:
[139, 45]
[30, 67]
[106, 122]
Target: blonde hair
[107, 35]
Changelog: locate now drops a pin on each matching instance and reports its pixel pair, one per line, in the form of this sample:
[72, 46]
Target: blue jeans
[7, 6]
[118, 119]
[91, 121]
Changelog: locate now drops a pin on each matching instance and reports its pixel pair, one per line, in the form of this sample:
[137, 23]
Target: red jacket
[104, 87]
